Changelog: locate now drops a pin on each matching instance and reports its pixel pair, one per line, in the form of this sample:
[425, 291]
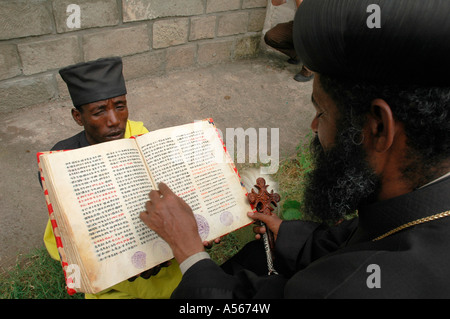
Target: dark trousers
[280, 38]
[251, 257]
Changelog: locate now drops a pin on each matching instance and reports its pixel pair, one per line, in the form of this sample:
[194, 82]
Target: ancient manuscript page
[192, 161]
[100, 191]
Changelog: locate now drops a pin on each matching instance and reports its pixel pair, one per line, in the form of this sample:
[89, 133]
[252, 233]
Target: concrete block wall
[38, 37]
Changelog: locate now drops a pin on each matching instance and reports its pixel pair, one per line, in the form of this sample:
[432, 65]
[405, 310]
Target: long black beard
[341, 180]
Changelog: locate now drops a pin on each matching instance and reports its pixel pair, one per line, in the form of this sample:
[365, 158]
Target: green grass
[291, 180]
[37, 276]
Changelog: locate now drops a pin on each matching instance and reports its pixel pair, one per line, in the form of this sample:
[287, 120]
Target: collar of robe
[382, 219]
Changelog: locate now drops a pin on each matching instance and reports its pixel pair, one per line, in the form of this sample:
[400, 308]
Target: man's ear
[76, 114]
[381, 126]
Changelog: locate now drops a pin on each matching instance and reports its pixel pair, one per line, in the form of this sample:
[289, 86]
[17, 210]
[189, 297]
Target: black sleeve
[206, 280]
[300, 242]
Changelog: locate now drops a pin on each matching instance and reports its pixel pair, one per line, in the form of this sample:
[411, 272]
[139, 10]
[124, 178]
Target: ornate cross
[263, 201]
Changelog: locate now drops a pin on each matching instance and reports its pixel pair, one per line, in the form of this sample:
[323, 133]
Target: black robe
[77, 141]
[343, 261]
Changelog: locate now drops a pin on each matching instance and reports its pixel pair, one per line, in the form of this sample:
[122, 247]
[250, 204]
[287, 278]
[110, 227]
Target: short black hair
[423, 110]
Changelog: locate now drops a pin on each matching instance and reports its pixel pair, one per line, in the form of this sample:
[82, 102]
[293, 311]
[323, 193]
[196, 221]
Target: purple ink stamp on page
[138, 259]
[203, 226]
[161, 249]
[226, 218]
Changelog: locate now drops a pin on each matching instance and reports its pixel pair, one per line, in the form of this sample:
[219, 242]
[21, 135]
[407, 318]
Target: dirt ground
[256, 93]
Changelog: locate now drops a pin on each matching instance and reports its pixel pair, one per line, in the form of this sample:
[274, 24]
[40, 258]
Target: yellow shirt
[160, 286]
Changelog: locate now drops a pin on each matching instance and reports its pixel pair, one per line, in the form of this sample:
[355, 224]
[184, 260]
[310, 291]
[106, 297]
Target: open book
[95, 195]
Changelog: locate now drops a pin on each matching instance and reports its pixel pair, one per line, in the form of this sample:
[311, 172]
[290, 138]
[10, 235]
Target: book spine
[54, 224]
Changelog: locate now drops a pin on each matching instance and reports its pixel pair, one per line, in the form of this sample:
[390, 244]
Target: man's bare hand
[150, 272]
[173, 220]
[209, 244]
[271, 221]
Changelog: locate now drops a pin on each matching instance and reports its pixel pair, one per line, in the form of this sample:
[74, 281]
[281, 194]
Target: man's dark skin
[103, 121]
[385, 145]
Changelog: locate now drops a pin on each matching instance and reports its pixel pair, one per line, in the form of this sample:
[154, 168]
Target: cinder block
[220, 5]
[214, 52]
[144, 64]
[181, 57]
[121, 42]
[247, 47]
[9, 61]
[256, 20]
[232, 23]
[23, 92]
[254, 4]
[202, 28]
[46, 55]
[136, 10]
[93, 13]
[24, 18]
[63, 91]
[170, 32]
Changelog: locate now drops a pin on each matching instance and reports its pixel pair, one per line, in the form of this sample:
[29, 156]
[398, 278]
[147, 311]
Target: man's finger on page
[148, 206]
[145, 217]
[164, 189]
[155, 195]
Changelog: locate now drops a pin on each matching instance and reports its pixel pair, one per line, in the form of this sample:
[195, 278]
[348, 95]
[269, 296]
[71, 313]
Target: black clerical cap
[94, 81]
[386, 41]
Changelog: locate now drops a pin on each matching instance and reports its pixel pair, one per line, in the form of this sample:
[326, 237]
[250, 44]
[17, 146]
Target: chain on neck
[413, 223]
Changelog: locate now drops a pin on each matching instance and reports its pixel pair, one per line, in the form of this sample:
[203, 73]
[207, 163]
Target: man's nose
[113, 118]
[315, 124]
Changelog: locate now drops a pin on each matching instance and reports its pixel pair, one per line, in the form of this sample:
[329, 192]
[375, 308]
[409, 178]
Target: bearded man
[382, 148]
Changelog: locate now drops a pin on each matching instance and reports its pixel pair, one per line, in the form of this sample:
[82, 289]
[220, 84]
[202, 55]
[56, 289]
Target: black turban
[94, 81]
[410, 45]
